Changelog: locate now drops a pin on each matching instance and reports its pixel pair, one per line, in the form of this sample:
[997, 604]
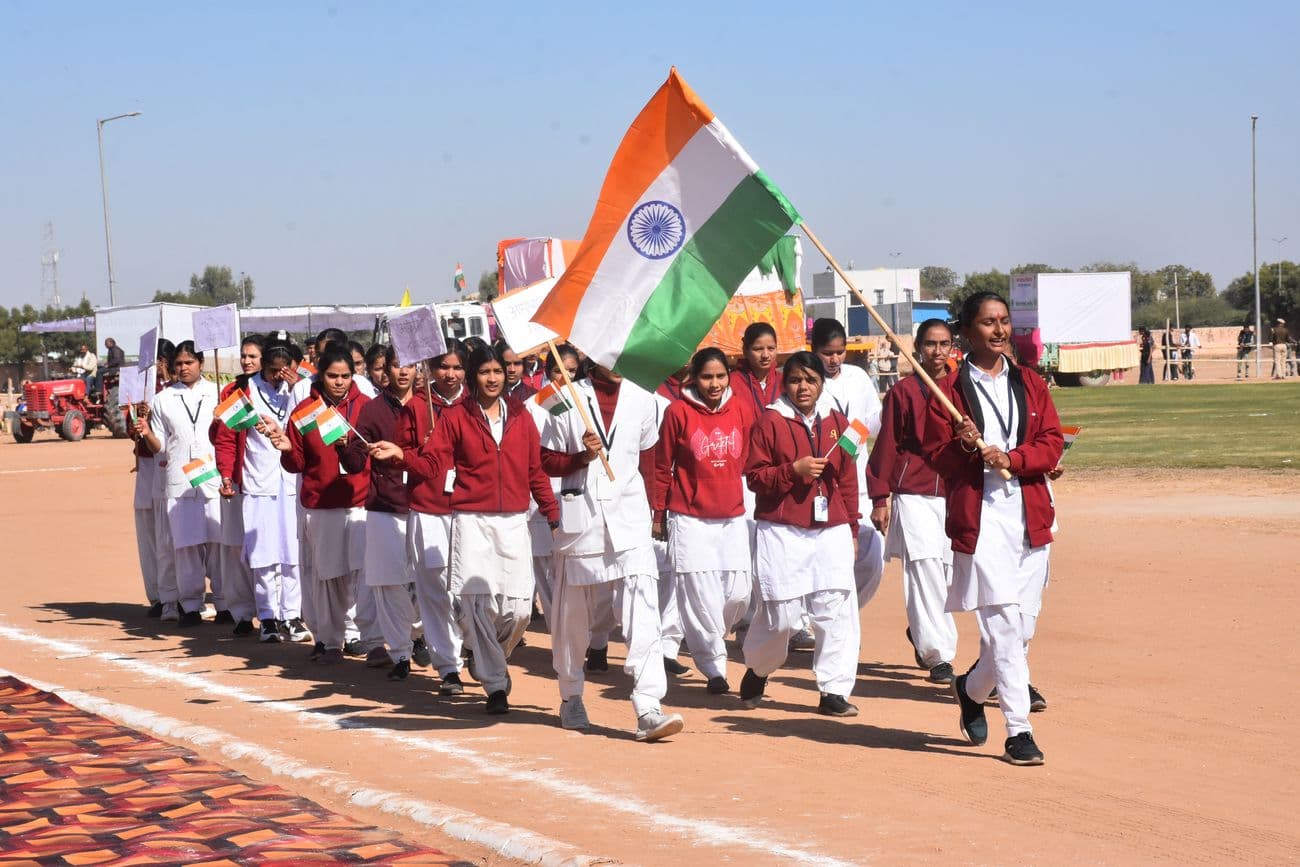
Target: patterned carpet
[76, 788]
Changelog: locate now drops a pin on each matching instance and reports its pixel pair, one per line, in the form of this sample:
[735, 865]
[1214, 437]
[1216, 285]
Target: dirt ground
[1166, 650]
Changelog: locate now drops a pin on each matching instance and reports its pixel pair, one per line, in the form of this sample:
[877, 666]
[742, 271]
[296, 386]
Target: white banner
[514, 315]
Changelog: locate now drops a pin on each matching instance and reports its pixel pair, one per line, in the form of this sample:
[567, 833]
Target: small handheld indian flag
[305, 369]
[200, 470]
[854, 438]
[331, 426]
[306, 417]
[551, 398]
[237, 412]
[1070, 434]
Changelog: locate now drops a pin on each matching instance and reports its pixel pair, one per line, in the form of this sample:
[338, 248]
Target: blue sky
[339, 151]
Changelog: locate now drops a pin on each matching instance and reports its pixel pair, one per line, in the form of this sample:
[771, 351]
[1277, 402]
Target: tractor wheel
[114, 420]
[74, 426]
[21, 434]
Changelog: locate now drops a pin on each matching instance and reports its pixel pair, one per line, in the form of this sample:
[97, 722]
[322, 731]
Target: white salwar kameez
[491, 580]
[146, 535]
[270, 513]
[389, 576]
[806, 575]
[711, 561]
[1003, 581]
[539, 531]
[604, 545]
[917, 537]
[428, 539]
[335, 542]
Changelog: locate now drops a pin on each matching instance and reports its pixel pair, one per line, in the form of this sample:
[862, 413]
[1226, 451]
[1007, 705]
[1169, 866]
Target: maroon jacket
[700, 458]
[414, 429]
[323, 485]
[228, 444]
[745, 385]
[897, 463]
[1039, 451]
[378, 421]
[783, 497]
[489, 477]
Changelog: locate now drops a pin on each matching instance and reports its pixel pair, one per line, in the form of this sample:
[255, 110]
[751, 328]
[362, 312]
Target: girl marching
[700, 510]
[1000, 530]
[807, 513]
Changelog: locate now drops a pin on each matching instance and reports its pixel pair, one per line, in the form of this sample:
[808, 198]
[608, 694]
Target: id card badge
[821, 510]
[449, 484]
[197, 452]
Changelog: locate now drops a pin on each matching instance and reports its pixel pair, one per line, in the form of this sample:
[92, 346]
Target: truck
[1075, 328]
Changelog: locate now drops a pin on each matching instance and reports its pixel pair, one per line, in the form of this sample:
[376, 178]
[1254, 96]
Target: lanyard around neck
[606, 441]
[1004, 424]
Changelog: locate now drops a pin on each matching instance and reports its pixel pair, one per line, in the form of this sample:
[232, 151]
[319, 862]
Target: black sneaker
[270, 632]
[243, 627]
[1037, 704]
[597, 660]
[675, 668]
[718, 686]
[155, 611]
[835, 705]
[317, 651]
[190, 618]
[1021, 750]
[451, 684]
[420, 654]
[400, 671]
[354, 648]
[941, 673]
[920, 663]
[973, 724]
[751, 688]
[497, 703]
[224, 617]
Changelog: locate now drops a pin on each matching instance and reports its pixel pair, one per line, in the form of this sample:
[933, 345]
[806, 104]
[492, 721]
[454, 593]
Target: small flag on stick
[306, 417]
[551, 398]
[305, 369]
[853, 438]
[458, 279]
[331, 426]
[1070, 434]
[237, 412]
[200, 470]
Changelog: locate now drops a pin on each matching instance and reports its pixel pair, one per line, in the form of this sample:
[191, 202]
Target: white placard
[130, 386]
[216, 327]
[514, 314]
[416, 336]
[148, 349]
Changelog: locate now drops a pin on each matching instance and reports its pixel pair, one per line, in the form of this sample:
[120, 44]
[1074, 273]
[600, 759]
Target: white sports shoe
[171, 613]
[655, 725]
[573, 715]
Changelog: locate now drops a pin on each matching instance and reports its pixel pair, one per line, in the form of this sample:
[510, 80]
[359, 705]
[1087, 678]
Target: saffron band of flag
[236, 411]
[684, 214]
[854, 438]
[1070, 434]
[199, 471]
[551, 398]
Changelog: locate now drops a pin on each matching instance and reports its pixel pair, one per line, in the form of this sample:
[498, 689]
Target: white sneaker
[573, 715]
[171, 613]
[656, 725]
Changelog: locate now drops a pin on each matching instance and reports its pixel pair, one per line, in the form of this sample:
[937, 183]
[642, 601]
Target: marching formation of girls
[411, 515]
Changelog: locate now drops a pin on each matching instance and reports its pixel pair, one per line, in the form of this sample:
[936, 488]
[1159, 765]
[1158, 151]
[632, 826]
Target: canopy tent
[315, 317]
[61, 326]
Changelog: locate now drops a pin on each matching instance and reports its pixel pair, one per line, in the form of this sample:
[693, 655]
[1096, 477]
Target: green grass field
[1201, 426]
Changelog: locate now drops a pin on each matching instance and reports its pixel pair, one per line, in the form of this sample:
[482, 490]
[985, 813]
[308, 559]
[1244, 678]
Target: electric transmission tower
[50, 269]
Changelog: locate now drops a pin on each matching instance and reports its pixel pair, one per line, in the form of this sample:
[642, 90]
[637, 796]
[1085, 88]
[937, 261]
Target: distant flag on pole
[458, 279]
[551, 398]
[237, 411]
[853, 438]
[683, 216]
[406, 298]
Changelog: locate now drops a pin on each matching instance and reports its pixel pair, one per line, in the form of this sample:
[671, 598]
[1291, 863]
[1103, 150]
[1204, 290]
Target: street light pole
[103, 188]
[894, 255]
[1279, 242]
[1254, 252]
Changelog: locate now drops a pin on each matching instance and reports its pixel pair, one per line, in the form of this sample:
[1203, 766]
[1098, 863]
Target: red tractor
[64, 406]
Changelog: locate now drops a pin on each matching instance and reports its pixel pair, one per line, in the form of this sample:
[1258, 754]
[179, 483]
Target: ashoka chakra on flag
[656, 229]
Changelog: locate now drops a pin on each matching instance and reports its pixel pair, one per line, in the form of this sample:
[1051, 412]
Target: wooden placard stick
[586, 417]
[893, 338]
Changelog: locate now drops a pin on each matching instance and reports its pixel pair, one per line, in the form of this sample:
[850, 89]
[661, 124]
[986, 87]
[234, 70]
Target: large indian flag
[684, 215]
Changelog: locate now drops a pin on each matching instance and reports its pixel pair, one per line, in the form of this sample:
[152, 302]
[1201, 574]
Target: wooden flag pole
[893, 338]
[428, 396]
[586, 417]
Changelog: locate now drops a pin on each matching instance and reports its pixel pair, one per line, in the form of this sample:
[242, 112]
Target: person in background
[152, 535]
[1169, 349]
[250, 354]
[914, 524]
[1190, 345]
[534, 371]
[1281, 336]
[376, 362]
[516, 387]
[358, 357]
[84, 367]
[538, 527]
[1146, 346]
[116, 356]
[1245, 345]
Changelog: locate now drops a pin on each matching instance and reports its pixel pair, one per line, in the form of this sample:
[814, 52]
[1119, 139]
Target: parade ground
[1164, 650]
